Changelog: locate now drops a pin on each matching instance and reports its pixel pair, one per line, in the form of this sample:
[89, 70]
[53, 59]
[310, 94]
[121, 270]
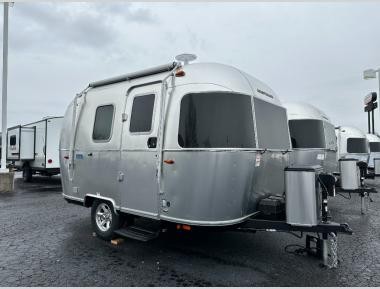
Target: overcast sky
[311, 52]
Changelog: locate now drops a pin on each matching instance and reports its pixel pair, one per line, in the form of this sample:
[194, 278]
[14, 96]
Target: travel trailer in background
[195, 145]
[34, 148]
[353, 157]
[313, 137]
[352, 143]
[374, 149]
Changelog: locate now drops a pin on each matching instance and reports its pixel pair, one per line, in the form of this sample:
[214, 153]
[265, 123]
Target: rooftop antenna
[185, 58]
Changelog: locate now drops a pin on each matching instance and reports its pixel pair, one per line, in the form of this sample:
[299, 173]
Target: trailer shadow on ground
[47, 242]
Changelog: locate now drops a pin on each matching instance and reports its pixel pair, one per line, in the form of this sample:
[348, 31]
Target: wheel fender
[90, 198]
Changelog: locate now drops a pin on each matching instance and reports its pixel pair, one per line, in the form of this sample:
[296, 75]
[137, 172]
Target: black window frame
[111, 128]
[152, 115]
[254, 147]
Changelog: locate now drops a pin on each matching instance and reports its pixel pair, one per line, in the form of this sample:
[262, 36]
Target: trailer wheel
[104, 220]
[27, 174]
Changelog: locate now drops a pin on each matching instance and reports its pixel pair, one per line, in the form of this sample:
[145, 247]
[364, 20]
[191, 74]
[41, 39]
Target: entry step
[137, 233]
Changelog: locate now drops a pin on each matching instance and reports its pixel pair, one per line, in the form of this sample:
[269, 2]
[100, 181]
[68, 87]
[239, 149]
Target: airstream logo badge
[265, 93]
[320, 157]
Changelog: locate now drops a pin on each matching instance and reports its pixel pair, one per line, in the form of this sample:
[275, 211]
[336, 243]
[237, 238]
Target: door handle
[89, 154]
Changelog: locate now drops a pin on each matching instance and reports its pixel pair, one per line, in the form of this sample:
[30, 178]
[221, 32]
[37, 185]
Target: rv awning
[137, 74]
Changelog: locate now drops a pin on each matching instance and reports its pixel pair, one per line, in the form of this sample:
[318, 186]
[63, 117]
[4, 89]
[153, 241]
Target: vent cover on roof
[185, 58]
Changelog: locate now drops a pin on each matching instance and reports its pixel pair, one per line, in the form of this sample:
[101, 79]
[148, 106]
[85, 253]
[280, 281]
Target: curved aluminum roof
[350, 131]
[228, 77]
[372, 137]
[300, 110]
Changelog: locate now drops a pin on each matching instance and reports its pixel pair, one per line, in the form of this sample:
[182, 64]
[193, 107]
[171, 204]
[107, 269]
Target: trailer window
[12, 140]
[272, 125]
[216, 120]
[307, 133]
[142, 113]
[357, 145]
[374, 147]
[103, 123]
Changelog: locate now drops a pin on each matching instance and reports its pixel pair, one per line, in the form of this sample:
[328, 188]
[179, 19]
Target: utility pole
[370, 105]
[4, 91]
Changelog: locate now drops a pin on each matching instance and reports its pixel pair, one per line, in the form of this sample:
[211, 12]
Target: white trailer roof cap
[372, 137]
[300, 110]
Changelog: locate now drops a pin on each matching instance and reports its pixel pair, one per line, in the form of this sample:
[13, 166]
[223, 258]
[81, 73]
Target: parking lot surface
[45, 241]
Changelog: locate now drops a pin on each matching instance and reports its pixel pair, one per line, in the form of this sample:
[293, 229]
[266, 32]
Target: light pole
[4, 91]
[371, 73]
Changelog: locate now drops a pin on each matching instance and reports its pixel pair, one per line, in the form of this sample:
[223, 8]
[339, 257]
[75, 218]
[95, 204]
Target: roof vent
[185, 58]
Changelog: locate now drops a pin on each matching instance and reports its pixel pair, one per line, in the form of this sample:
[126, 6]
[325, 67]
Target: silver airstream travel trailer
[353, 157]
[374, 150]
[192, 145]
[352, 143]
[34, 147]
[312, 135]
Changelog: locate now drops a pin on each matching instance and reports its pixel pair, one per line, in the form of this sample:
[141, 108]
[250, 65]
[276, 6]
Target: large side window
[103, 123]
[216, 120]
[142, 114]
[272, 125]
[357, 145]
[374, 147]
[307, 133]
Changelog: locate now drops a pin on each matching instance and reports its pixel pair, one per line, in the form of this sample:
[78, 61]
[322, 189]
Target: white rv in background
[374, 149]
[34, 148]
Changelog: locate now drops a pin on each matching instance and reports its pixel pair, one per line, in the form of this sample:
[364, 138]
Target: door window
[142, 114]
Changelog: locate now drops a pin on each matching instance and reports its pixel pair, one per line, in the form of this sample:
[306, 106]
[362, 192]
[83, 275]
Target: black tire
[27, 174]
[107, 213]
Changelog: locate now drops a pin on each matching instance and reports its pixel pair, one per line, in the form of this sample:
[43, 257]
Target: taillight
[50, 161]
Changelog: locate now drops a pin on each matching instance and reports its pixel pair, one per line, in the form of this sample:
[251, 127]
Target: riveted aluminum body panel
[312, 157]
[302, 198]
[211, 186]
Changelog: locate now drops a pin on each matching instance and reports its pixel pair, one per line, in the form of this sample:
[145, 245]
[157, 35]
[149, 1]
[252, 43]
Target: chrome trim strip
[139, 212]
[72, 198]
[208, 223]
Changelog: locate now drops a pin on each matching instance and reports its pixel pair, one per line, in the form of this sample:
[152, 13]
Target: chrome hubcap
[103, 217]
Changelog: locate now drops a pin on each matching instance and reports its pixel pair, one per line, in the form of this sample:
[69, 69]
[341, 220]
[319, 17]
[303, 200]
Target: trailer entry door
[138, 169]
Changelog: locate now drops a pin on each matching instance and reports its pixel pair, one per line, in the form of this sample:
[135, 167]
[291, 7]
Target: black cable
[343, 196]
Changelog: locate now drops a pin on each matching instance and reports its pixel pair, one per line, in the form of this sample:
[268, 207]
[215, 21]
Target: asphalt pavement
[45, 241]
